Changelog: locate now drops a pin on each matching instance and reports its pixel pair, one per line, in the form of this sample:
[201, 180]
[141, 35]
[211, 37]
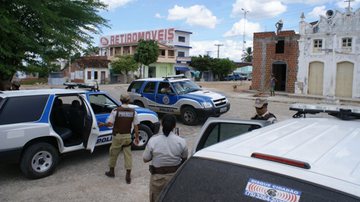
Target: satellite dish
[329, 13]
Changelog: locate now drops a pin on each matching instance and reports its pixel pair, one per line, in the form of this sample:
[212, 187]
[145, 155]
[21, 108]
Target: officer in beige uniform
[122, 119]
[166, 152]
[262, 113]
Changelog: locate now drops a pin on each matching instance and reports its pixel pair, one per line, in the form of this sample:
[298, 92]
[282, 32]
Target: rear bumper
[10, 156]
[213, 111]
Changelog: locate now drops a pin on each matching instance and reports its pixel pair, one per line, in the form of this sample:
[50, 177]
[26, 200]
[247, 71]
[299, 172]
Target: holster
[163, 170]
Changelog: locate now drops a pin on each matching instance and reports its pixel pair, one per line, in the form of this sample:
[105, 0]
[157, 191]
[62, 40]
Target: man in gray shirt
[166, 152]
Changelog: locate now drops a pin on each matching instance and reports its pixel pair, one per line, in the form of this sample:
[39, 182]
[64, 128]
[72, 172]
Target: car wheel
[139, 103]
[189, 116]
[145, 134]
[39, 160]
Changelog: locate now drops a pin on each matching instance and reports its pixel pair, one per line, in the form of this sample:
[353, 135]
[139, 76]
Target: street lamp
[245, 12]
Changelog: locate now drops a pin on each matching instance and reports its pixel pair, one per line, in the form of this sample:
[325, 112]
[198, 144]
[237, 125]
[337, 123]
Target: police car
[302, 159]
[38, 125]
[179, 96]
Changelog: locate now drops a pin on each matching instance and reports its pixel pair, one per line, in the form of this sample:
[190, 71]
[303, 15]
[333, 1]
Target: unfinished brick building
[277, 54]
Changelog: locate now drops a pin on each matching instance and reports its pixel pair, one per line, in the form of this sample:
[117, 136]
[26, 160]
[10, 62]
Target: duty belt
[163, 170]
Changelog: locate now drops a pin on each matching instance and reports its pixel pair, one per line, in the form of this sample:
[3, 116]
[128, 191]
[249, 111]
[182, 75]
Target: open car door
[91, 129]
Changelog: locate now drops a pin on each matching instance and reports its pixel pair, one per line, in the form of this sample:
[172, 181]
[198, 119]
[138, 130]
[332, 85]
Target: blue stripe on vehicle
[140, 110]
[45, 115]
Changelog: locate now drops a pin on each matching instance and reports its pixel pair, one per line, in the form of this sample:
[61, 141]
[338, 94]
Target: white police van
[300, 159]
[38, 125]
[179, 96]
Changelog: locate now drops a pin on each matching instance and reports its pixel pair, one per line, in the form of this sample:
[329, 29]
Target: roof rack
[91, 87]
[174, 76]
[340, 111]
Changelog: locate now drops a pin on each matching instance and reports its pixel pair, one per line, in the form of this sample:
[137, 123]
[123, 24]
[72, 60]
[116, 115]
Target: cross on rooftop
[349, 6]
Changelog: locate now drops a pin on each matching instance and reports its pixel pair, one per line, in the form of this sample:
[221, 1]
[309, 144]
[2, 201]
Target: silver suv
[301, 159]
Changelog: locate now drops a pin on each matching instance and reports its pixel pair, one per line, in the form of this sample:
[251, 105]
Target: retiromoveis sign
[161, 35]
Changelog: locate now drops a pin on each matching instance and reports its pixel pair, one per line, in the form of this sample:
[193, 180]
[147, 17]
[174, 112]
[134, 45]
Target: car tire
[39, 160]
[189, 116]
[138, 103]
[145, 134]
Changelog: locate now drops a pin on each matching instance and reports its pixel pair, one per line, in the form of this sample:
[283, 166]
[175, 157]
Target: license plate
[223, 109]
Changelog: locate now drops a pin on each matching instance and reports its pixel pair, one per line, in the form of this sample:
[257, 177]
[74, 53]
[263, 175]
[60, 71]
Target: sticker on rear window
[271, 192]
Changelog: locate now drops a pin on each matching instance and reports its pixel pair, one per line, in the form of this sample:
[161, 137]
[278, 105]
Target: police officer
[262, 112]
[122, 119]
[166, 152]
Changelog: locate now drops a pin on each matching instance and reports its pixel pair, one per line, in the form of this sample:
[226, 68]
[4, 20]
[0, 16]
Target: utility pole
[218, 49]
[245, 12]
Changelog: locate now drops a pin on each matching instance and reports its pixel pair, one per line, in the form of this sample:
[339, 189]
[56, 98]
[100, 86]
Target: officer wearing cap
[122, 119]
[262, 112]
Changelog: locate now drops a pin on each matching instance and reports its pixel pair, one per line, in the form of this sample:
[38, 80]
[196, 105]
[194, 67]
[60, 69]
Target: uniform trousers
[157, 183]
[121, 142]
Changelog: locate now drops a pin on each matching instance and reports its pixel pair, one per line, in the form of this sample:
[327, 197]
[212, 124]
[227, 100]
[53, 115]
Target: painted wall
[331, 30]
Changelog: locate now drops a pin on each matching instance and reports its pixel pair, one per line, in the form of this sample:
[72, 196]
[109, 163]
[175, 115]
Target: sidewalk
[242, 92]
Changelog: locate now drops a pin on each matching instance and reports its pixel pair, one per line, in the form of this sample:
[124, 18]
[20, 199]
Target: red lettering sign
[161, 35]
[164, 35]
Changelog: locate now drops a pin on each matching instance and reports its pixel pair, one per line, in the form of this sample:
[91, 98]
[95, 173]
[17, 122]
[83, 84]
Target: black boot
[110, 173]
[128, 176]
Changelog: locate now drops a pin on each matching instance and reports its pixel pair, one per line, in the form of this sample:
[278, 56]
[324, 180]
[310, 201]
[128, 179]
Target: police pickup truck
[307, 158]
[179, 96]
[38, 125]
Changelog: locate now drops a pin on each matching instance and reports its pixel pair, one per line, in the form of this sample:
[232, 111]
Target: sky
[215, 21]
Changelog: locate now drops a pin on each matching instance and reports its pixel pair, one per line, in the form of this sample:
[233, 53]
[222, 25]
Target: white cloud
[238, 29]
[317, 11]
[309, 2]
[116, 3]
[259, 8]
[197, 15]
[231, 49]
[157, 15]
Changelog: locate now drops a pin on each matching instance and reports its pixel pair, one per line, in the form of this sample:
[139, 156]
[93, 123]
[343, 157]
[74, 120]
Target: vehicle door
[217, 130]
[149, 93]
[101, 105]
[166, 97]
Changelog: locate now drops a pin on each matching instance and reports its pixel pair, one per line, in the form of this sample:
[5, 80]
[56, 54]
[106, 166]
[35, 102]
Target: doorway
[344, 79]
[279, 72]
[316, 78]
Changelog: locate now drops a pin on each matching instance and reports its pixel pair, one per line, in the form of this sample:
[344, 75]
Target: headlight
[206, 104]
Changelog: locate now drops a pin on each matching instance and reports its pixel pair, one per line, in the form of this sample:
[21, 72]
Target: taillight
[282, 160]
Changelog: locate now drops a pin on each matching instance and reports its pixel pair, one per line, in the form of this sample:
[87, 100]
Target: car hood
[205, 94]
[141, 110]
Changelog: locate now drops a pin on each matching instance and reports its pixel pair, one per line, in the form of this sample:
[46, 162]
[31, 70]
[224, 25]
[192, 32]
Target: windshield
[185, 86]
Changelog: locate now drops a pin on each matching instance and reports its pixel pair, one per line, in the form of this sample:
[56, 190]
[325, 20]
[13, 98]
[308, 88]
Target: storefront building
[174, 46]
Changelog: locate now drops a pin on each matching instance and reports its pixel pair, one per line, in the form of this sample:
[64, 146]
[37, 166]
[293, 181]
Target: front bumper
[213, 111]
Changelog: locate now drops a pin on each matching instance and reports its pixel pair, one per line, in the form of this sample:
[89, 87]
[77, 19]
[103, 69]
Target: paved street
[80, 175]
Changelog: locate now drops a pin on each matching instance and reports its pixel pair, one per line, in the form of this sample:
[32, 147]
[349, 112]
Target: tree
[123, 64]
[147, 52]
[91, 50]
[247, 55]
[201, 63]
[222, 67]
[35, 33]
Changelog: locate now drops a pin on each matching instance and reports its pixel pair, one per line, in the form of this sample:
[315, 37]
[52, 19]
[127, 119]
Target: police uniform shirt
[112, 116]
[271, 119]
[165, 151]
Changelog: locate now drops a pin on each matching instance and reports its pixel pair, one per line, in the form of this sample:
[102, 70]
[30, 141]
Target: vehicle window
[150, 87]
[165, 88]
[185, 86]
[101, 104]
[135, 86]
[23, 109]
[218, 132]
[209, 180]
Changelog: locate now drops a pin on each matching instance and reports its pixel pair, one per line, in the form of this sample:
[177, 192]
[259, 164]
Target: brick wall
[264, 56]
